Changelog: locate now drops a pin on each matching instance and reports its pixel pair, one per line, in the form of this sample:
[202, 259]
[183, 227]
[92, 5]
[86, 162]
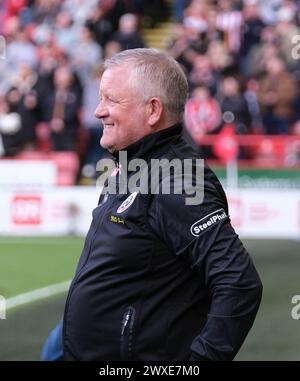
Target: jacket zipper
[127, 333]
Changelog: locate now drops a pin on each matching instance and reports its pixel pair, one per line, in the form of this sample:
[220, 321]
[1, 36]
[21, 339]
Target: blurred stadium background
[242, 62]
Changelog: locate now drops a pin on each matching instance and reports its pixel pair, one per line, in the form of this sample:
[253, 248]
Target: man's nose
[101, 111]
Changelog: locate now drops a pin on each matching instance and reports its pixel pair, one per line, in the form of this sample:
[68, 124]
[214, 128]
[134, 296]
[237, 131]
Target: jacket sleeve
[203, 236]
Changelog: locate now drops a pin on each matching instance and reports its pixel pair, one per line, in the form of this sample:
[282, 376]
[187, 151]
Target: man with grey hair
[158, 279]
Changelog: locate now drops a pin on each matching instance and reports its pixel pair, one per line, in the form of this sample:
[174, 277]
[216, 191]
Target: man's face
[123, 114]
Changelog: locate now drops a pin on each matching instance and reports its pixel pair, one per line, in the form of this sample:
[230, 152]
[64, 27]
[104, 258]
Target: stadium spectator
[23, 98]
[104, 20]
[261, 54]
[229, 22]
[178, 47]
[45, 11]
[158, 279]
[277, 95]
[195, 16]
[66, 32]
[203, 74]
[80, 11]
[85, 63]
[233, 102]
[219, 57]
[251, 96]
[11, 141]
[128, 35]
[202, 113]
[64, 104]
[251, 33]
[20, 50]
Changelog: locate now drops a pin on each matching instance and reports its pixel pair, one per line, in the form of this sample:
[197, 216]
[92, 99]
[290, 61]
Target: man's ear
[155, 111]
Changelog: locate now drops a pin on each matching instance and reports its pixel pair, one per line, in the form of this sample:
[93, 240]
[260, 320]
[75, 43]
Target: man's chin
[109, 147]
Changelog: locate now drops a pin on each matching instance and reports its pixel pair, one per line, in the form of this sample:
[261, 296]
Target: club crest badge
[127, 203]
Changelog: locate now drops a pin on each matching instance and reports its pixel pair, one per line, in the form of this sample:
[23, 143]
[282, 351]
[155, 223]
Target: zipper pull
[127, 318]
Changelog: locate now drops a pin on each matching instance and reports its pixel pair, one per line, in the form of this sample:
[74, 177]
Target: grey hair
[155, 75]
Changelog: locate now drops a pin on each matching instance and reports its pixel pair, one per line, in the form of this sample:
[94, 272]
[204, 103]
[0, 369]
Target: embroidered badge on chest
[127, 203]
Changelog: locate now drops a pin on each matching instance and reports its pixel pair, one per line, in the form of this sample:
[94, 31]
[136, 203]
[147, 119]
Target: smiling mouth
[108, 126]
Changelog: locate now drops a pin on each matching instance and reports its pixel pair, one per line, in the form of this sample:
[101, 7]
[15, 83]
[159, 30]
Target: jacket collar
[150, 144]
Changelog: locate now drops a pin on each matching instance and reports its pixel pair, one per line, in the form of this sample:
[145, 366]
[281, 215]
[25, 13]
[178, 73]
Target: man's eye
[107, 99]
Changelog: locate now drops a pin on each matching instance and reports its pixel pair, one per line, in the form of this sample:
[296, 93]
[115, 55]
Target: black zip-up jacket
[159, 279]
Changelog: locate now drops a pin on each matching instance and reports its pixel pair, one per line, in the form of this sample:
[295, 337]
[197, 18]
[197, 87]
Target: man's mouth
[107, 125]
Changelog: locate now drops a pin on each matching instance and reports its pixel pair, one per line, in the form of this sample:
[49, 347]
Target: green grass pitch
[30, 263]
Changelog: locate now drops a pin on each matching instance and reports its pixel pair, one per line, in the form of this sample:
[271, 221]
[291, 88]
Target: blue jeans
[53, 347]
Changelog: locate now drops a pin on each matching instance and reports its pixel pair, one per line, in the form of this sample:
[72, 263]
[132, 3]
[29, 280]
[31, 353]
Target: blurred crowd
[240, 57]
[242, 63]
[49, 79]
